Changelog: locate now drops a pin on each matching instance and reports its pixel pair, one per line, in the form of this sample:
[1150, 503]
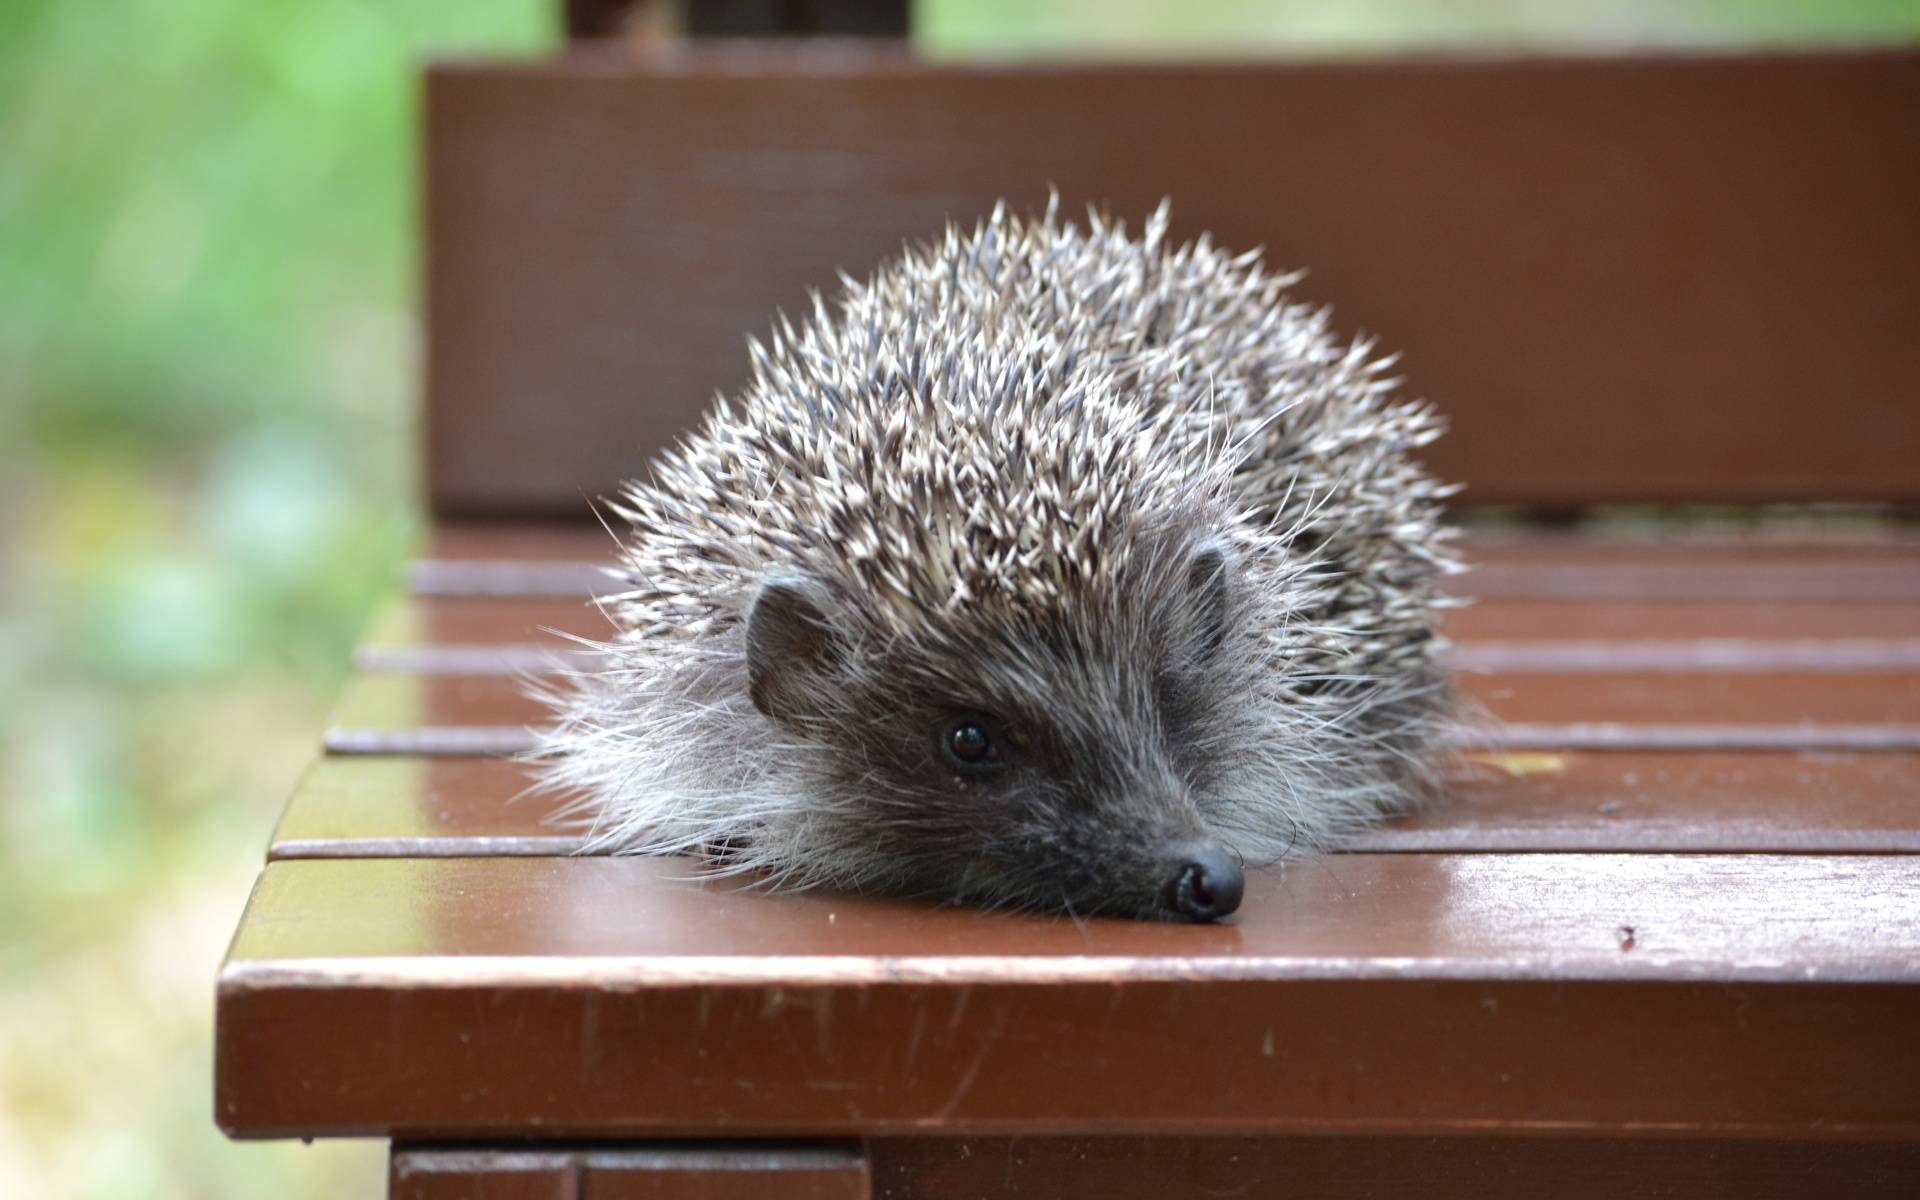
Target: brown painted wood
[1814, 582]
[1518, 619]
[1665, 802]
[1733, 995]
[564, 541]
[361, 806]
[1635, 278]
[579, 993]
[385, 806]
[1596, 656]
[1873, 542]
[440, 577]
[1693, 737]
[1733, 581]
[388, 700]
[554, 655]
[1892, 698]
[471, 620]
[1367, 1168]
[467, 620]
[1675, 573]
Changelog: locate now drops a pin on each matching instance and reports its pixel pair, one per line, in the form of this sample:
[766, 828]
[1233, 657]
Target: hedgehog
[1050, 569]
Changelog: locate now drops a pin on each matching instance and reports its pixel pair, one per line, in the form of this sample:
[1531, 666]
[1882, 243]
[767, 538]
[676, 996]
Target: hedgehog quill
[1051, 569]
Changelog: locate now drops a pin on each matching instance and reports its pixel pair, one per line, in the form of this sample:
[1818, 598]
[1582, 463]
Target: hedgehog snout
[1206, 884]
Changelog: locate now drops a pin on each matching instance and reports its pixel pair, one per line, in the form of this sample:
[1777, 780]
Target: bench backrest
[1644, 279]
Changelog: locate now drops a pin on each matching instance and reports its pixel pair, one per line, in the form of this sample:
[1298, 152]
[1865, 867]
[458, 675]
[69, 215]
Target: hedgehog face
[1023, 760]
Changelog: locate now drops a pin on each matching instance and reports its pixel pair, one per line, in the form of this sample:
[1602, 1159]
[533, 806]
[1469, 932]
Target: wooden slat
[1570, 620]
[437, 620]
[1592, 656]
[1847, 581]
[1882, 541]
[385, 700]
[1732, 995]
[1654, 278]
[1693, 737]
[1883, 565]
[388, 806]
[1726, 583]
[1759, 699]
[578, 540]
[1624, 802]
[1837, 656]
[444, 577]
[422, 621]
[1844, 667]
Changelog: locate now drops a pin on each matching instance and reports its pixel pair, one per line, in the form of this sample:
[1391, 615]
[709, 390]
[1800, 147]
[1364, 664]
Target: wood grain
[1624, 279]
[472, 620]
[1742, 924]
[1587, 656]
[1503, 803]
[466, 620]
[1413, 993]
[1581, 620]
[386, 700]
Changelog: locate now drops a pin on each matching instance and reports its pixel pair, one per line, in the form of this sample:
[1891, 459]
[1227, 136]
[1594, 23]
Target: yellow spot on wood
[1524, 763]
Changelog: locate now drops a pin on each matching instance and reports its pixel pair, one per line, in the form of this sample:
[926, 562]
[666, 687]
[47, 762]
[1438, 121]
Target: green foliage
[206, 382]
[1239, 28]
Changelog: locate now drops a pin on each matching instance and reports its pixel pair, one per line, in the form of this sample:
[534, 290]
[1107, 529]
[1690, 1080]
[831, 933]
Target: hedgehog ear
[788, 639]
[1208, 582]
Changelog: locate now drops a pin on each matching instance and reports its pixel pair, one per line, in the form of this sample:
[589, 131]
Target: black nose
[1207, 885]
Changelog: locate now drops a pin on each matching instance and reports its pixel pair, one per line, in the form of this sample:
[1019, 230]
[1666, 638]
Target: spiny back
[1008, 446]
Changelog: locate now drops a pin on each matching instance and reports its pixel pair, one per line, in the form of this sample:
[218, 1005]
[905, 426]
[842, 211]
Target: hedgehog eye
[970, 744]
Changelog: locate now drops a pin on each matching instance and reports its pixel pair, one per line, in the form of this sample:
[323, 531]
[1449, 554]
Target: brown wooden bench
[1664, 940]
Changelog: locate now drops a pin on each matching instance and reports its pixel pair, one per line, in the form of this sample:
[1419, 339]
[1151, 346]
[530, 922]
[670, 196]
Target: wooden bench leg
[630, 1171]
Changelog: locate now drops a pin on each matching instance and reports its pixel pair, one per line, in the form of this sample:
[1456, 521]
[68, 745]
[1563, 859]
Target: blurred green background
[207, 393]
